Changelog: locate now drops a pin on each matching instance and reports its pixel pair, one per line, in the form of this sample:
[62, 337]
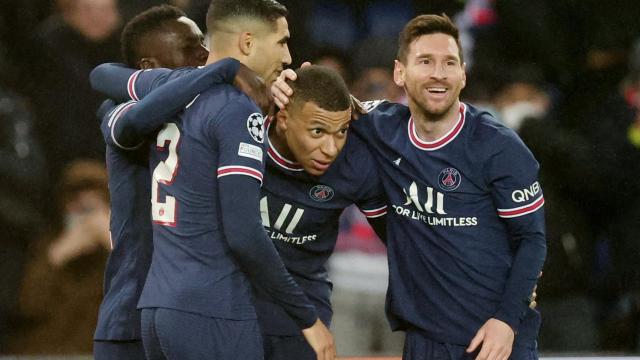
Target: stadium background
[564, 73]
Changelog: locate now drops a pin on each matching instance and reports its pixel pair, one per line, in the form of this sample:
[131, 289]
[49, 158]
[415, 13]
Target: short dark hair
[145, 23]
[265, 10]
[425, 25]
[322, 86]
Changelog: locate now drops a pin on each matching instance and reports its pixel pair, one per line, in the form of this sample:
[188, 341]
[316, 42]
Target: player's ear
[148, 63]
[282, 118]
[464, 75]
[246, 42]
[398, 72]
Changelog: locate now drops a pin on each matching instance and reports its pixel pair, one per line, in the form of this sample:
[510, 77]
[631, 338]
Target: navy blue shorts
[177, 335]
[287, 348]
[118, 350]
[419, 347]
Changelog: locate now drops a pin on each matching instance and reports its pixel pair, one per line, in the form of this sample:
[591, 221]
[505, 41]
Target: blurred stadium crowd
[564, 73]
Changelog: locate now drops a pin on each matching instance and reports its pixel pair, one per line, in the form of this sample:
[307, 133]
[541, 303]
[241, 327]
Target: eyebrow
[429, 55]
[285, 39]
[316, 123]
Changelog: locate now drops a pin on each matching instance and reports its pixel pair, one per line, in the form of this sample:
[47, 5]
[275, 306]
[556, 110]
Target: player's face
[315, 136]
[271, 52]
[181, 45]
[432, 74]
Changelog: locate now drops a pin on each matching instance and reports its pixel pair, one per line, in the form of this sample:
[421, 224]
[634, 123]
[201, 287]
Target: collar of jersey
[279, 159]
[442, 141]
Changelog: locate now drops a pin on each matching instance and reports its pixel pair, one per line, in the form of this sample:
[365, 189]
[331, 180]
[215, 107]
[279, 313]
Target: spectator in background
[21, 182]
[522, 96]
[68, 46]
[335, 59]
[62, 286]
[373, 60]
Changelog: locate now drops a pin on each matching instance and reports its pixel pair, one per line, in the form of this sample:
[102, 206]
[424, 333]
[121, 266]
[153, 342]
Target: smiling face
[312, 136]
[432, 74]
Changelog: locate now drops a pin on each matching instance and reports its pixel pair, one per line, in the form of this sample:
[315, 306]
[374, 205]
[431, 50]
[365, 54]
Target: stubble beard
[430, 113]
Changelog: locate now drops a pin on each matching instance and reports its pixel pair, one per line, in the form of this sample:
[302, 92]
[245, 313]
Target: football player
[465, 231]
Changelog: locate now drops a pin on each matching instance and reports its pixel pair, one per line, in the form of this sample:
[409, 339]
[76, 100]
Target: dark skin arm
[379, 225]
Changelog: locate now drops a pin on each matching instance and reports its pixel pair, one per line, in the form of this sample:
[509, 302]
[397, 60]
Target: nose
[439, 72]
[330, 147]
[286, 58]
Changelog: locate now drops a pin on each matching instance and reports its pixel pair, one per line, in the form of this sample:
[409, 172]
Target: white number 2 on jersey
[165, 212]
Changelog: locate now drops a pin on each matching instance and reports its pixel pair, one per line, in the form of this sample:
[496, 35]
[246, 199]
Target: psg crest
[255, 125]
[449, 179]
[321, 193]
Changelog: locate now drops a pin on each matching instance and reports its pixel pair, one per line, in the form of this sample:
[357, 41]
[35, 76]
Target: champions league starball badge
[255, 125]
[321, 193]
[449, 179]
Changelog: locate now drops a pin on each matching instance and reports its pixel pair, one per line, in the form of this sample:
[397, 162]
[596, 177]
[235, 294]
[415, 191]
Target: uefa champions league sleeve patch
[370, 105]
[255, 125]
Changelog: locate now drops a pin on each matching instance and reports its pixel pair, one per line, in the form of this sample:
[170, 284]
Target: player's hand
[321, 340]
[533, 303]
[534, 295]
[357, 108]
[251, 84]
[280, 90]
[496, 338]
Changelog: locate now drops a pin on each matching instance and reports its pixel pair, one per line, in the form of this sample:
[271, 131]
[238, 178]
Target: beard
[430, 112]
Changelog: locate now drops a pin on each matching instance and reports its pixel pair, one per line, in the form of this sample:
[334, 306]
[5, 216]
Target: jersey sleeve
[138, 120]
[107, 112]
[239, 134]
[512, 175]
[368, 111]
[121, 84]
[240, 138]
[371, 199]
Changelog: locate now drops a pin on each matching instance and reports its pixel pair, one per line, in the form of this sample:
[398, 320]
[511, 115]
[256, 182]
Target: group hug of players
[223, 218]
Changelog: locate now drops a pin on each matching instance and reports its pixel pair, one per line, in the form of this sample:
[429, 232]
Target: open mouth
[321, 165]
[437, 90]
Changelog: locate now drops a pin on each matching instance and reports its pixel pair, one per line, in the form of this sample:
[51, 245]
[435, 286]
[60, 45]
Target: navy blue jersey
[301, 213]
[465, 229]
[130, 191]
[195, 266]
[131, 240]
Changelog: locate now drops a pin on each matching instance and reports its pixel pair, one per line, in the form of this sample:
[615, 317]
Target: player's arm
[132, 122]
[371, 198]
[240, 172]
[379, 226]
[120, 83]
[512, 174]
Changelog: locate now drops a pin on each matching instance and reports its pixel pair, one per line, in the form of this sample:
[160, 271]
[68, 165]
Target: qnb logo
[434, 203]
[526, 194]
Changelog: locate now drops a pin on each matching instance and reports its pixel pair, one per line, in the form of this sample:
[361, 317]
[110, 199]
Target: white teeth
[437, 90]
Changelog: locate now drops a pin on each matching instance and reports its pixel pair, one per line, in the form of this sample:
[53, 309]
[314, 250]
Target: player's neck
[215, 56]
[430, 127]
[278, 141]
